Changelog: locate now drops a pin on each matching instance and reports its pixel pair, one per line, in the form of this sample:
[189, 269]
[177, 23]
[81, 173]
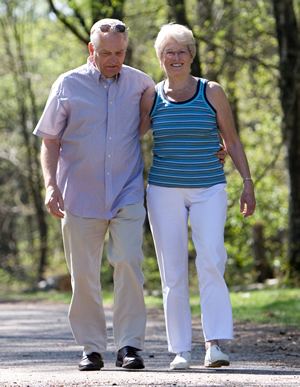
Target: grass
[277, 306]
[272, 306]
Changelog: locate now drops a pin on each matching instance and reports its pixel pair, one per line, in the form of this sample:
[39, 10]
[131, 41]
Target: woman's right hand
[248, 201]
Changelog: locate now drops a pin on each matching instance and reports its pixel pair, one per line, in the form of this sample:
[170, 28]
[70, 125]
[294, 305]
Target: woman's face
[175, 58]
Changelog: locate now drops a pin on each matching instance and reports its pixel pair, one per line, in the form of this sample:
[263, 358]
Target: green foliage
[269, 306]
[144, 19]
[32, 60]
[238, 48]
[150, 266]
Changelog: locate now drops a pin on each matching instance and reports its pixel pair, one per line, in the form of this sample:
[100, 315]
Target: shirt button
[108, 155]
[105, 87]
[108, 173]
[109, 138]
[110, 102]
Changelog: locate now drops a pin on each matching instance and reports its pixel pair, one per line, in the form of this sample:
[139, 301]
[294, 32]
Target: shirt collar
[95, 73]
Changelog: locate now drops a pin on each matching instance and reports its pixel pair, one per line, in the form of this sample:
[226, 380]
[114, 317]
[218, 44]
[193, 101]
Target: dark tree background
[289, 83]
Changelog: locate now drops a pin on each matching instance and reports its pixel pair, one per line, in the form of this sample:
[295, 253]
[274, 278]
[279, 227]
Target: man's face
[110, 54]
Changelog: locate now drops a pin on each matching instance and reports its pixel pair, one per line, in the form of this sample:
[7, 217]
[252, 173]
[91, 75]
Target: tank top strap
[203, 83]
[158, 97]
[159, 88]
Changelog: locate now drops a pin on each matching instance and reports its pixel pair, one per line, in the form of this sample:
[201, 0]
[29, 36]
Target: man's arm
[49, 160]
[233, 145]
[145, 109]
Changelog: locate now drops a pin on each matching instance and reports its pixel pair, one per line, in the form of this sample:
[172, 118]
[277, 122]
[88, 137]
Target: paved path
[37, 349]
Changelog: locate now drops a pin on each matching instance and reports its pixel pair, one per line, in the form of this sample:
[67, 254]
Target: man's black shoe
[92, 362]
[129, 359]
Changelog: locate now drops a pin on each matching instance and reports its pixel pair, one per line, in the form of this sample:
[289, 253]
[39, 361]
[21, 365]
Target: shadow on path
[38, 349]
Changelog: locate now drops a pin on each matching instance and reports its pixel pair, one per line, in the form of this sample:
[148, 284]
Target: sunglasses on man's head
[117, 27]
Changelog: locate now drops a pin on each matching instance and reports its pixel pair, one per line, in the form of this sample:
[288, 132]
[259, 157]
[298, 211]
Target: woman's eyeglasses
[172, 54]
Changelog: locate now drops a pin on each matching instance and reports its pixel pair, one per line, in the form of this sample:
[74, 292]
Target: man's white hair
[96, 32]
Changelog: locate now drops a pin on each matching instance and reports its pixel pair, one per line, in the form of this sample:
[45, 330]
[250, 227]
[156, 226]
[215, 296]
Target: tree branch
[271, 164]
[254, 58]
[64, 20]
[79, 16]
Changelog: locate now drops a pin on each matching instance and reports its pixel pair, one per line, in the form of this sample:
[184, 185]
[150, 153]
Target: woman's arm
[233, 145]
[146, 104]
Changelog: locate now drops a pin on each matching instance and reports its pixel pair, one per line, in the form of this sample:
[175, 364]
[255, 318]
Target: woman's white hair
[95, 31]
[178, 32]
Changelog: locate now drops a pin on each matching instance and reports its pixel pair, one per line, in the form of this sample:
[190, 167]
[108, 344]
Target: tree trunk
[205, 21]
[263, 269]
[289, 52]
[232, 66]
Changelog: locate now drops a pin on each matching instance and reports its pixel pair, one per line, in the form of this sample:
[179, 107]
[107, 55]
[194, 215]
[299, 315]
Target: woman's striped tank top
[186, 142]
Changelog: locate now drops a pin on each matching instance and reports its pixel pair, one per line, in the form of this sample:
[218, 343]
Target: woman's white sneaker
[215, 357]
[181, 362]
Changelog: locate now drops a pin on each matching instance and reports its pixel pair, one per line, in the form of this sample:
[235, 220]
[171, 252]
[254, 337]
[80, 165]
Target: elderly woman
[186, 180]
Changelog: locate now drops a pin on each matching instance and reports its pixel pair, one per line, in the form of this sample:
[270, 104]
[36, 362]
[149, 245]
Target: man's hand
[49, 159]
[54, 202]
[222, 155]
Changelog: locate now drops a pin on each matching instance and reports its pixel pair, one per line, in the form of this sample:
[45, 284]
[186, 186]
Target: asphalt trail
[38, 349]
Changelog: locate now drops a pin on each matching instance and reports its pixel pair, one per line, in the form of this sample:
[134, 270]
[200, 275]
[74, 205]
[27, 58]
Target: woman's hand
[248, 202]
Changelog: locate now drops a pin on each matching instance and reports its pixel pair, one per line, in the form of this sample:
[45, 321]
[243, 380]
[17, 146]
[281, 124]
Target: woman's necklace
[178, 92]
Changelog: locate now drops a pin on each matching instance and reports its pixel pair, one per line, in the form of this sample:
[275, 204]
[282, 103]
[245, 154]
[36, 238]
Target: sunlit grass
[268, 306]
[48, 296]
[154, 302]
[38, 296]
[278, 306]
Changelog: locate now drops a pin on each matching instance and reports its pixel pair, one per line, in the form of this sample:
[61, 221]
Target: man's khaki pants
[83, 243]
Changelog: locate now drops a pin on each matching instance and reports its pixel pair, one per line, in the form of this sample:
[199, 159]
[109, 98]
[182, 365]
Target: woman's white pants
[169, 210]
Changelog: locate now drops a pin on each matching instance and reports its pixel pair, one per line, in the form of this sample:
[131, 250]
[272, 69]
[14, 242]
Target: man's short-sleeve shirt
[100, 163]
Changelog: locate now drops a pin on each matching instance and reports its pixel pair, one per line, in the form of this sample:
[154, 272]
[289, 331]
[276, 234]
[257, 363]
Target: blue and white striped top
[186, 142]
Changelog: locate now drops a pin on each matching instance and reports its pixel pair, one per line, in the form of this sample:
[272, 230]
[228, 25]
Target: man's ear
[91, 48]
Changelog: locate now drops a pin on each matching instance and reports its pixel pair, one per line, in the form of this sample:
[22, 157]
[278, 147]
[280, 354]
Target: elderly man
[92, 165]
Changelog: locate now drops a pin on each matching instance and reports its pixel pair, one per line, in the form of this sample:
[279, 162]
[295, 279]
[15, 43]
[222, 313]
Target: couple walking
[92, 165]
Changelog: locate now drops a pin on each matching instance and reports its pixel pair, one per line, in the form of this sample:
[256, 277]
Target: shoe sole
[130, 366]
[217, 364]
[179, 367]
[91, 368]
